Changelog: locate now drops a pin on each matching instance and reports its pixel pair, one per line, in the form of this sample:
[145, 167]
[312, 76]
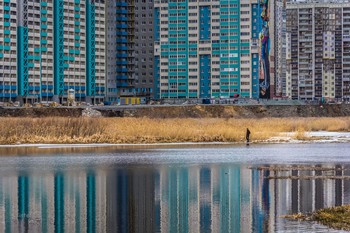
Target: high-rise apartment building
[105, 50]
[120, 50]
[280, 48]
[111, 52]
[51, 47]
[318, 50]
[130, 49]
[144, 47]
[125, 39]
[8, 47]
[209, 49]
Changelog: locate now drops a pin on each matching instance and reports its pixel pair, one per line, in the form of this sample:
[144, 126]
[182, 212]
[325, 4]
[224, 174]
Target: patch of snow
[328, 134]
[315, 136]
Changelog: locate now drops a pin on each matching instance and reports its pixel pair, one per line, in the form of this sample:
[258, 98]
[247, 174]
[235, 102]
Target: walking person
[247, 135]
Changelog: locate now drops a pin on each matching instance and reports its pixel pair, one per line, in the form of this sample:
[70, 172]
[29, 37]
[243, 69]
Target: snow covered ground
[315, 136]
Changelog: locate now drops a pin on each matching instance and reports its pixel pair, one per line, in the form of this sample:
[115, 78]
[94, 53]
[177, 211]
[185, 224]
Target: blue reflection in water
[23, 202]
[59, 202]
[258, 216]
[91, 202]
[77, 211]
[205, 210]
[122, 197]
[173, 197]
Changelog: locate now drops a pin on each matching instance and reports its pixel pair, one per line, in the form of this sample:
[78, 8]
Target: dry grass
[49, 130]
[145, 130]
[334, 217]
[300, 134]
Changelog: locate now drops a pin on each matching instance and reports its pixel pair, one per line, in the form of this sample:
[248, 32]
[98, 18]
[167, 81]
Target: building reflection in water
[213, 198]
[131, 200]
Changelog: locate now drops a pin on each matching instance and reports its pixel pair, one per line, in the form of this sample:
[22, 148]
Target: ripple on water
[203, 187]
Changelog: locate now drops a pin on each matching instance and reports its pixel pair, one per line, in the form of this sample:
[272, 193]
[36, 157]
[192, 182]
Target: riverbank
[78, 130]
[187, 111]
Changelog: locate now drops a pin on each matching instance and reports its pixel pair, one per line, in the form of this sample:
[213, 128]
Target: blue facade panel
[256, 25]
[205, 75]
[255, 75]
[22, 61]
[156, 78]
[90, 49]
[156, 24]
[204, 23]
[58, 48]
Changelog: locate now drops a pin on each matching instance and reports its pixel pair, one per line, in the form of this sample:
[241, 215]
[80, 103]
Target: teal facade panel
[90, 49]
[58, 48]
[22, 61]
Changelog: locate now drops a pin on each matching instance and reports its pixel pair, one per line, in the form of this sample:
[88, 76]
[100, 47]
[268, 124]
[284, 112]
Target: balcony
[119, 33]
[121, 4]
[123, 48]
[124, 26]
[305, 39]
[121, 11]
[122, 55]
[304, 57]
[122, 62]
[305, 28]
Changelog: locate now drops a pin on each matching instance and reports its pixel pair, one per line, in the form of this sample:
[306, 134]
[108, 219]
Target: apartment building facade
[52, 47]
[106, 50]
[209, 49]
[318, 52]
[130, 49]
[144, 48]
[280, 48]
[111, 52]
[8, 46]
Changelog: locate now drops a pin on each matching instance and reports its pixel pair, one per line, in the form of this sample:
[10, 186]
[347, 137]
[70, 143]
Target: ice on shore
[314, 136]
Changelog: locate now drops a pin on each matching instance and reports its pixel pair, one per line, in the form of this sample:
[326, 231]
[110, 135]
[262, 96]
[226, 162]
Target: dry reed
[335, 217]
[145, 130]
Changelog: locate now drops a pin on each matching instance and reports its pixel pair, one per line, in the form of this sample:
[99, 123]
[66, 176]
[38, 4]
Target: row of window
[194, 21]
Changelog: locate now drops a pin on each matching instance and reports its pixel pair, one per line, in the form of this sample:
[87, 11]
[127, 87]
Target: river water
[174, 188]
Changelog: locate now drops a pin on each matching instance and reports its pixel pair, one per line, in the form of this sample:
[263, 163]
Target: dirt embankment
[40, 112]
[193, 111]
[234, 111]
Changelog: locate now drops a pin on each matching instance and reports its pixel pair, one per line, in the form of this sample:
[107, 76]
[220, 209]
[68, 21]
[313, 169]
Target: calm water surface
[170, 189]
